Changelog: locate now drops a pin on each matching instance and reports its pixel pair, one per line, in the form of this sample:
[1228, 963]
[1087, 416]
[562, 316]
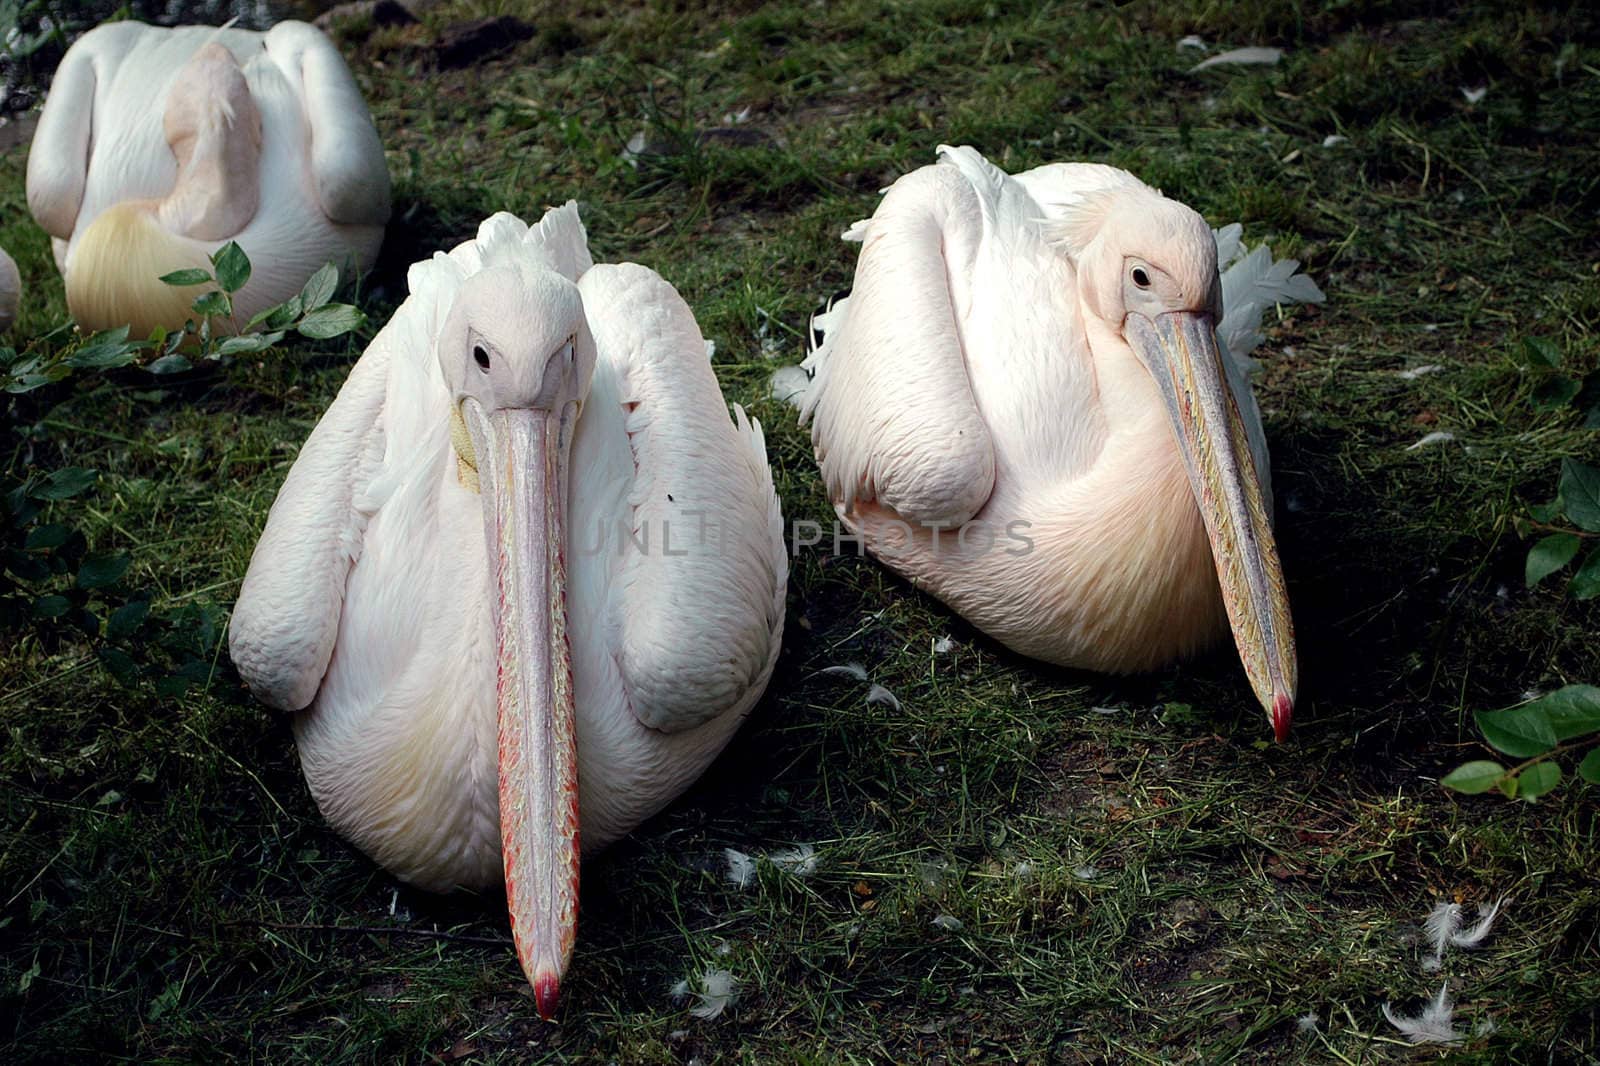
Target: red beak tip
[546, 994]
[1282, 715]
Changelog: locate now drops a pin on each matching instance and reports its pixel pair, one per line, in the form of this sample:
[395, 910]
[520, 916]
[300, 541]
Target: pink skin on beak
[1180, 349]
[525, 526]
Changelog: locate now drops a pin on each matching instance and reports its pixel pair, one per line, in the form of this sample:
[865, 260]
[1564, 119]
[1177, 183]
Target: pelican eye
[1140, 278]
[480, 357]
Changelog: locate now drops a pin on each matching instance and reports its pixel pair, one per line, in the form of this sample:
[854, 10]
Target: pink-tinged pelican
[10, 290]
[525, 573]
[158, 146]
[1039, 365]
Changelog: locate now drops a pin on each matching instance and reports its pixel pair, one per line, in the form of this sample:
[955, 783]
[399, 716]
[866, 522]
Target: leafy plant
[1535, 732]
[1566, 522]
[308, 313]
[1556, 390]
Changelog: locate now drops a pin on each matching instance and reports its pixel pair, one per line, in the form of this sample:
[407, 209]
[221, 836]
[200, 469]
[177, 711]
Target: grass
[1139, 876]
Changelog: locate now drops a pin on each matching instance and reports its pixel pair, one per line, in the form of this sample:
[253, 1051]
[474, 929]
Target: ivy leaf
[186, 277]
[65, 483]
[1541, 352]
[1589, 768]
[1554, 392]
[319, 290]
[1550, 554]
[1586, 582]
[1473, 777]
[1538, 779]
[102, 568]
[1580, 491]
[233, 267]
[330, 320]
[1521, 732]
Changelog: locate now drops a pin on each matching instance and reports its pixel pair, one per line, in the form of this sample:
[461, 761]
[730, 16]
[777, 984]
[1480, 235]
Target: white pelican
[10, 290]
[485, 638]
[1031, 364]
[158, 146]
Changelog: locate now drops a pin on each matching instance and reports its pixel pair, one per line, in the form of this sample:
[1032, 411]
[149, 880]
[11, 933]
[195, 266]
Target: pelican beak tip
[1282, 715]
[547, 994]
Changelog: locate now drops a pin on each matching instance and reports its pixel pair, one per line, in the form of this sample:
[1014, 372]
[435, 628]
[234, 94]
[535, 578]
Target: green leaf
[186, 277]
[319, 290]
[51, 606]
[1508, 786]
[330, 320]
[1554, 392]
[213, 305]
[1586, 582]
[233, 267]
[1572, 711]
[1473, 777]
[120, 664]
[1538, 779]
[1541, 352]
[46, 537]
[248, 342]
[65, 483]
[1589, 768]
[102, 568]
[1550, 554]
[170, 364]
[1545, 512]
[1580, 491]
[1521, 732]
[126, 619]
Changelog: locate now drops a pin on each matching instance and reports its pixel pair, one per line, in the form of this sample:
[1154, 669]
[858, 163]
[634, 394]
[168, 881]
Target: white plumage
[1039, 360]
[175, 141]
[10, 290]
[368, 606]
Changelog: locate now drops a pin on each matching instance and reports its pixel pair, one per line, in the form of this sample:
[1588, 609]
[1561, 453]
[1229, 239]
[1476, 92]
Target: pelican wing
[696, 600]
[347, 164]
[892, 413]
[283, 628]
[58, 160]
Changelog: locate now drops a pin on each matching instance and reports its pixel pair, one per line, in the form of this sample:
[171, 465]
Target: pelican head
[1147, 269]
[517, 357]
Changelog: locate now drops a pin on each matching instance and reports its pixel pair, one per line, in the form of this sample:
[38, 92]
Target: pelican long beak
[525, 524]
[1222, 471]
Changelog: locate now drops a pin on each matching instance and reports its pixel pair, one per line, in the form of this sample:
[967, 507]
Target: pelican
[497, 619]
[1027, 407]
[10, 290]
[158, 146]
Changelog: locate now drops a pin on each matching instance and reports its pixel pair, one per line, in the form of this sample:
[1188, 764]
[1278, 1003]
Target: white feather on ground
[1438, 436]
[1433, 1026]
[948, 922]
[943, 646]
[1417, 371]
[718, 991]
[1473, 938]
[1438, 927]
[852, 670]
[790, 385]
[1253, 56]
[1308, 1022]
[741, 868]
[879, 694]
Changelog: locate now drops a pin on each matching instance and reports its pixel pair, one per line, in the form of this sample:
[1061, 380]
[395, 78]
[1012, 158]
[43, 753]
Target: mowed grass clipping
[1017, 863]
